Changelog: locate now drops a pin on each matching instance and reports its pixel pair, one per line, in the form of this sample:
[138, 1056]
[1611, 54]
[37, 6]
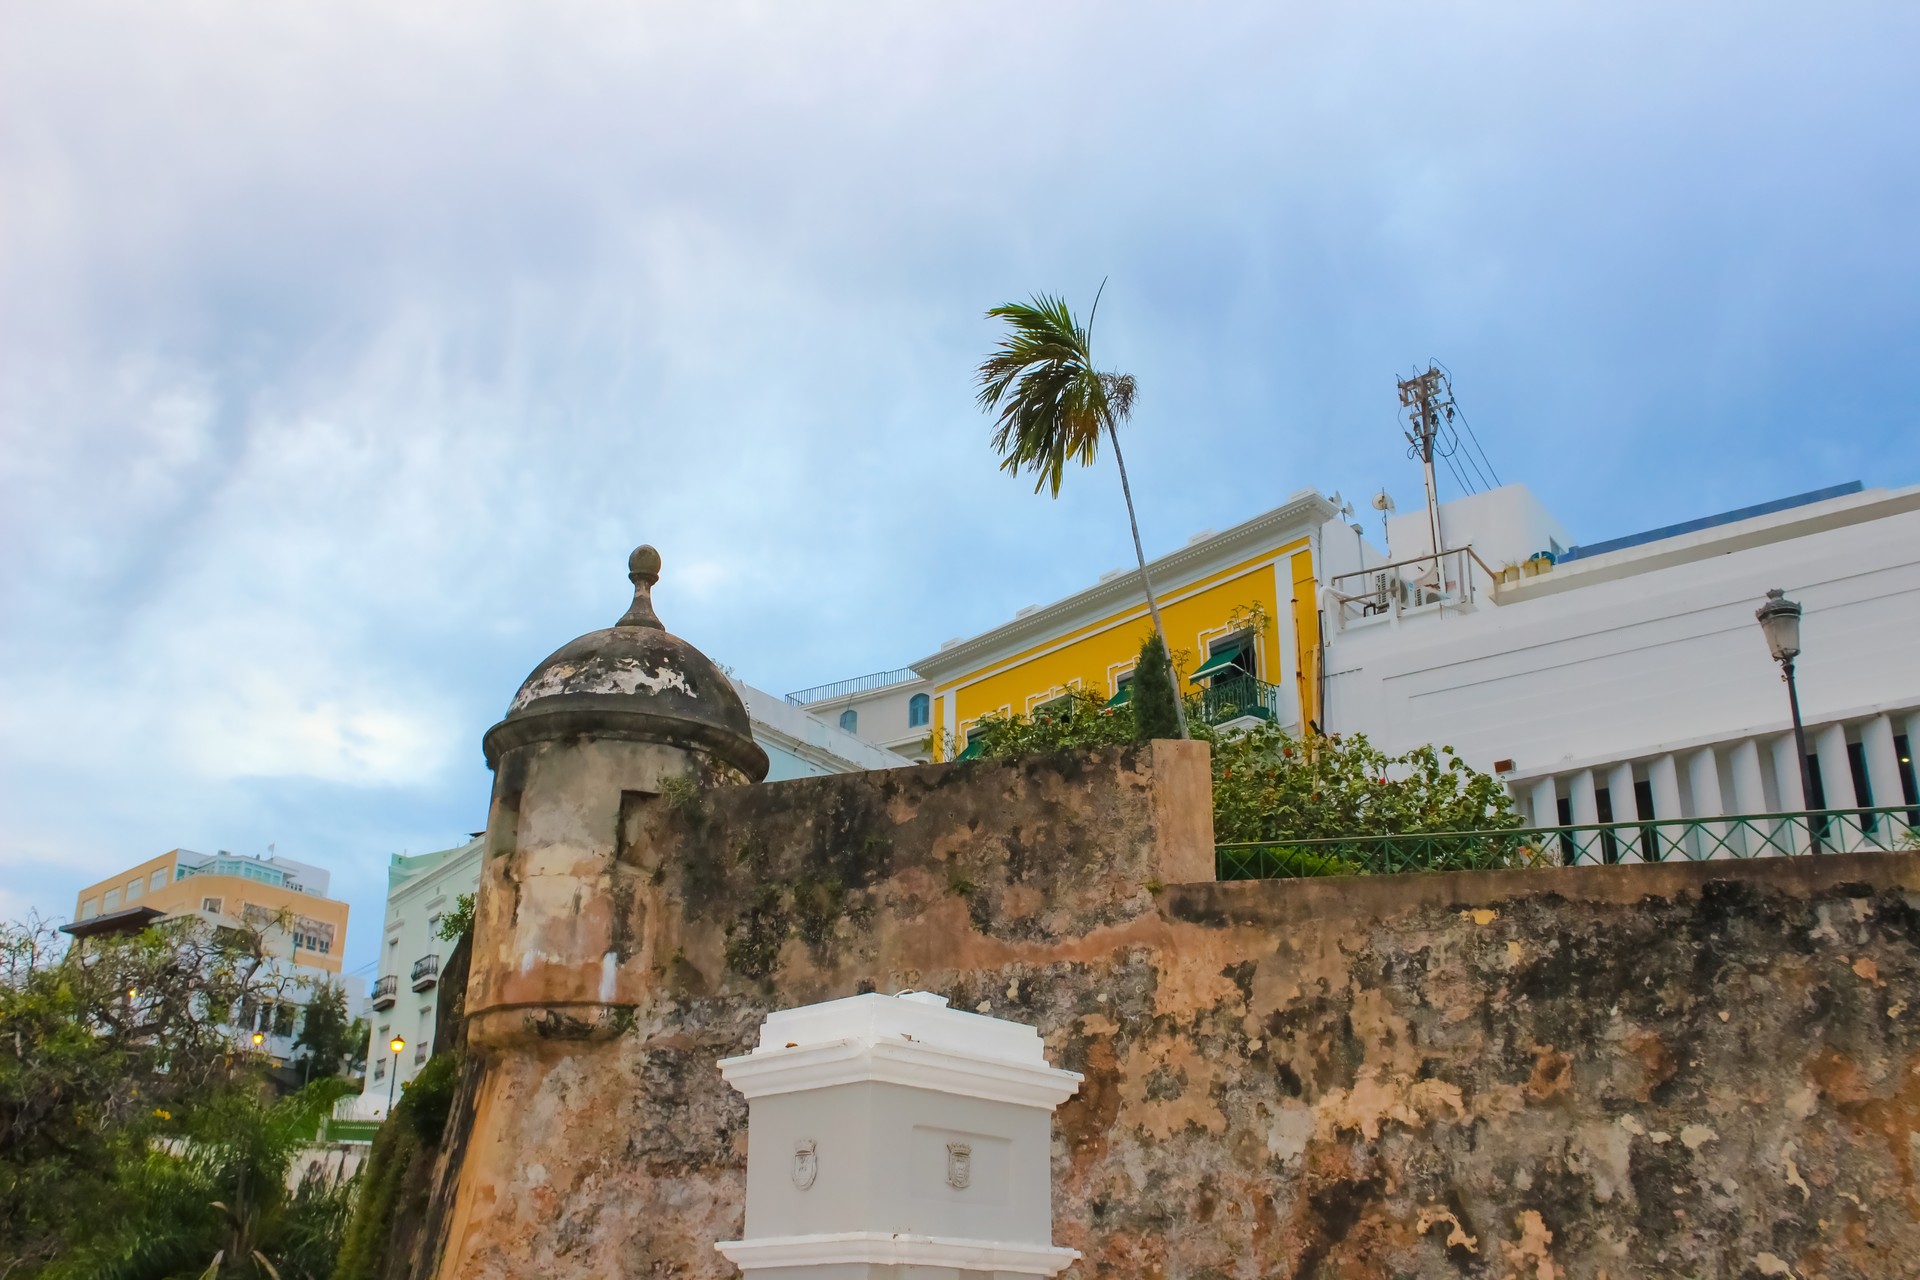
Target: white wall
[1653, 651]
[1503, 526]
[882, 717]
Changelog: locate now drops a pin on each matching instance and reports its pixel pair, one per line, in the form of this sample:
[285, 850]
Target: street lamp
[1779, 621]
[396, 1044]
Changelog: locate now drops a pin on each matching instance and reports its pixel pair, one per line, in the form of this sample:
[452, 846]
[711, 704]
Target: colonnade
[1754, 775]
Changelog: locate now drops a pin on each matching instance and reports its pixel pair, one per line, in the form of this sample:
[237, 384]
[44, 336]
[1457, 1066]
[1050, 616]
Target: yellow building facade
[285, 899]
[1241, 610]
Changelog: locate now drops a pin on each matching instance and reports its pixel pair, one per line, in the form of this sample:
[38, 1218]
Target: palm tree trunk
[1146, 583]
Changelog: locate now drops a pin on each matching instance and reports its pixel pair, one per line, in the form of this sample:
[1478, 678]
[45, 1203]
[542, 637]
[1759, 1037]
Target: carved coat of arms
[959, 1165]
[806, 1163]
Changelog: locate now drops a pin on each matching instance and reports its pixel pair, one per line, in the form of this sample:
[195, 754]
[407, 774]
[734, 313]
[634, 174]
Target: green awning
[974, 747]
[1220, 662]
[1121, 698]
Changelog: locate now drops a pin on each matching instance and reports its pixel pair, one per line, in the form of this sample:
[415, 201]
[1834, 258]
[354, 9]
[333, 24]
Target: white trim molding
[879, 1249]
[856, 1060]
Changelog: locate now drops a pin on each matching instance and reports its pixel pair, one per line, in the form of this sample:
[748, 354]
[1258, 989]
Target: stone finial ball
[644, 562]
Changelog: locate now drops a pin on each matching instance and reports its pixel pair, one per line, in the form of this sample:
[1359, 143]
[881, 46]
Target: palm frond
[1050, 403]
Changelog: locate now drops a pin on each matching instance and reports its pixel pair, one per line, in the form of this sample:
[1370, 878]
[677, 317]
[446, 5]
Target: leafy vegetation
[1271, 786]
[457, 923]
[139, 1134]
[1155, 701]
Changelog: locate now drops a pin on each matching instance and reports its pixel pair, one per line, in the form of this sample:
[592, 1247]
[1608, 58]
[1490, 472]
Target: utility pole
[1425, 396]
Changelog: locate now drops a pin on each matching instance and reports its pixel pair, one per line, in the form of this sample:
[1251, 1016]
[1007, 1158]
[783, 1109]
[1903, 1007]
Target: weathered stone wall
[1692, 1070]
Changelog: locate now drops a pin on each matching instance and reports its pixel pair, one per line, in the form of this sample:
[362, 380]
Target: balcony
[426, 972]
[385, 990]
[1239, 697]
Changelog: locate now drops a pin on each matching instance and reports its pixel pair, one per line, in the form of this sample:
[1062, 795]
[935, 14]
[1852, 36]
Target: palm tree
[1053, 406]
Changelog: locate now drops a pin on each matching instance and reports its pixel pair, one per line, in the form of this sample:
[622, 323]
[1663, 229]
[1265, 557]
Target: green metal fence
[1741, 835]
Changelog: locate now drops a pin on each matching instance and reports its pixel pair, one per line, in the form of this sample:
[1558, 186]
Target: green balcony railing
[1745, 835]
[1230, 698]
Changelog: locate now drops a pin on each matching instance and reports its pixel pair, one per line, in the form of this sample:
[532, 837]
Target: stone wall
[1691, 1070]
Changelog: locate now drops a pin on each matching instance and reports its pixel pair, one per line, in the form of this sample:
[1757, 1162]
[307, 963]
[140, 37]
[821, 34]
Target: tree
[326, 1033]
[1156, 704]
[1053, 405]
[104, 1045]
[211, 1198]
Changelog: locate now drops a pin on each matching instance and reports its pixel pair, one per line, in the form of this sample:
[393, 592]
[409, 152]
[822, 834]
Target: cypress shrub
[1154, 713]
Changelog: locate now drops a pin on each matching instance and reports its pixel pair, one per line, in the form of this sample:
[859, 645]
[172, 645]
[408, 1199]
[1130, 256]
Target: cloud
[351, 349]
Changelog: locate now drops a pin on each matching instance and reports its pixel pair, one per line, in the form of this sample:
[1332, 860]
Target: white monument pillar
[893, 1138]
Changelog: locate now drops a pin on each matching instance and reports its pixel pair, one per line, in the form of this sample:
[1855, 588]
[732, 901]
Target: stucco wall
[1683, 1070]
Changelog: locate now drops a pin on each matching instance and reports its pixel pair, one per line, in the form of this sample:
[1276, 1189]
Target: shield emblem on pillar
[806, 1163]
[959, 1165]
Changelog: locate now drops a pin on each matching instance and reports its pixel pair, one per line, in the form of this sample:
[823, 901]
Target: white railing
[1457, 576]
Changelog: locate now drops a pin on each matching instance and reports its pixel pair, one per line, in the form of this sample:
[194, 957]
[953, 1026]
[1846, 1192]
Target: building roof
[1303, 513]
[129, 920]
[1709, 522]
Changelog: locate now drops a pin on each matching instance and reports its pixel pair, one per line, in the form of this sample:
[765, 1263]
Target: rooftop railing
[859, 684]
[1745, 835]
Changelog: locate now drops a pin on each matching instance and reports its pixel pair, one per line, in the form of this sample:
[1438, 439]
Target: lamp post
[396, 1044]
[1779, 621]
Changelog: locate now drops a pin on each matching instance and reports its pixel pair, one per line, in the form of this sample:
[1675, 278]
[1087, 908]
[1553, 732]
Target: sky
[347, 349]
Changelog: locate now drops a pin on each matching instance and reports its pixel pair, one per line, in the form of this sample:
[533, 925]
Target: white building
[1628, 680]
[891, 709]
[423, 889]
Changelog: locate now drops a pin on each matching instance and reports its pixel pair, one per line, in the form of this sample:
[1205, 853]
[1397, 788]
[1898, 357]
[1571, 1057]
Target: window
[919, 710]
[111, 901]
[379, 1068]
[283, 1019]
[89, 909]
[1055, 708]
[850, 720]
[159, 880]
[210, 905]
[133, 889]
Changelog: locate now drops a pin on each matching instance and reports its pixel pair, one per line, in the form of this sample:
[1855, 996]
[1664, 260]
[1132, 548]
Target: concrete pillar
[1836, 780]
[1750, 796]
[1546, 803]
[893, 1138]
[1790, 834]
[1703, 789]
[1663, 778]
[1883, 774]
[1625, 809]
[1583, 807]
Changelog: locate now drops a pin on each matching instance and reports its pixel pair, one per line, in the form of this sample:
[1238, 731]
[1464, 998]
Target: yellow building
[1241, 610]
[283, 898]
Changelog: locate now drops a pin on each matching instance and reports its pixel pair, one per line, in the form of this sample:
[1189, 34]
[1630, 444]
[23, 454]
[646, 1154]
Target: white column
[1836, 781]
[1663, 777]
[1703, 788]
[1625, 809]
[1546, 803]
[1790, 834]
[1750, 796]
[1583, 806]
[1883, 771]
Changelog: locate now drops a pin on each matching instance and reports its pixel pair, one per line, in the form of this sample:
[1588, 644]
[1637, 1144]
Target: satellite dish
[1382, 502]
